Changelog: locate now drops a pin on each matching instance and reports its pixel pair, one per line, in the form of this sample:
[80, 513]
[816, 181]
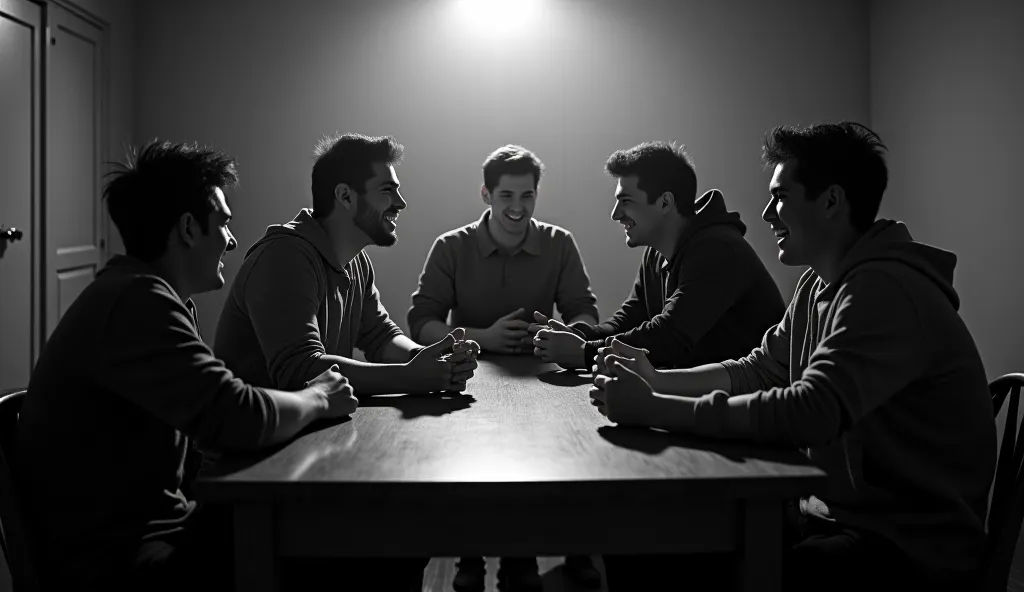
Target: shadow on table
[216, 463]
[653, 442]
[413, 406]
[565, 377]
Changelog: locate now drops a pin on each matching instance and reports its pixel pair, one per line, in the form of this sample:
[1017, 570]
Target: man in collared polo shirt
[701, 292]
[491, 275]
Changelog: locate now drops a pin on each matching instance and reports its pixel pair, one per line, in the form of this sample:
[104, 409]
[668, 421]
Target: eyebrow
[389, 184]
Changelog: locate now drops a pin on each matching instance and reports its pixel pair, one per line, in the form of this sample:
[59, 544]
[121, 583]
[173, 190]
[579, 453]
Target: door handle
[11, 234]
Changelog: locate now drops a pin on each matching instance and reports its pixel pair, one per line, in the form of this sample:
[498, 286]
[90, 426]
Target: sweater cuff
[583, 329]
[590, 352]
[709, 414]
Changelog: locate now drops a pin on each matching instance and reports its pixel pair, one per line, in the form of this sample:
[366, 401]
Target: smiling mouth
[628, 224]
[392, 218]
[780, 233]
[515, 217]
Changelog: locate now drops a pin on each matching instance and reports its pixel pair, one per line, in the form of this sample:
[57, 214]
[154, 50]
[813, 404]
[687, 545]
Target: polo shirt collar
[532, 245]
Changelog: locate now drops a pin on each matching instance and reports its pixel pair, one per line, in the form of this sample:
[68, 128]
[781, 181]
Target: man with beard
[305, 297]
[490, 275]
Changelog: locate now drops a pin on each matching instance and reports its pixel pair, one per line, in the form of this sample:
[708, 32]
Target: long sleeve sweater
[879, 378]
[121, 390]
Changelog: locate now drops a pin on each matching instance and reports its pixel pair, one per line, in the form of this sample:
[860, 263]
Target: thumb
[557, 325]
[539, 317]
[334, 368]
[458, 333]
[625, 349]
[513, 315]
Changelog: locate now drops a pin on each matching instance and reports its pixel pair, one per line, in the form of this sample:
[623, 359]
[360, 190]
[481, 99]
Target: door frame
[46, 320]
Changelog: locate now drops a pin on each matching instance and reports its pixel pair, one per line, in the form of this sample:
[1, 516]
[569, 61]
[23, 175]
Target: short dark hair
[659, 167]
[847, 154]
[157, 184]
[348, 159]
[511, 160]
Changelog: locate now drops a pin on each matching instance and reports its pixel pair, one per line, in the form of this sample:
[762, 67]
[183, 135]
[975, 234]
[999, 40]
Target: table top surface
[521, 426]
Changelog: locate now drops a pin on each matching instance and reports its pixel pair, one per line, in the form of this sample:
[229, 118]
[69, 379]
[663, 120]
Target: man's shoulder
[551, 230]
[458, 235]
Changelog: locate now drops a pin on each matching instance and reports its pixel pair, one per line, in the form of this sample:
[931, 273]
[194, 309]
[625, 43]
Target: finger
[458, 333]
[517, 324]
[626, 350]
[464, 368]
[540, 317]
[597, 395]
[601, 381]
[558, 325]
[515, 314]
[539, 352]
[621, 371]
[533, 328]
[459, 357]
[516, 334]
[610, 358]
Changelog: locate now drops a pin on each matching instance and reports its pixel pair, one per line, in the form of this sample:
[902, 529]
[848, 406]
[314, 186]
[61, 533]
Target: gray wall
[947, 86]
[263, 80]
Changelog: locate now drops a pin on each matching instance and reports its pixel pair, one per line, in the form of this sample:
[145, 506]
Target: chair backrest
[1007, 506]
[13, 537]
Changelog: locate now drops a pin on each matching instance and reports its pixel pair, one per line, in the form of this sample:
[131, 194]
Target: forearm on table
[399, 350]
[366, 378]
[693, 382]
[728, 418]
[295, 411]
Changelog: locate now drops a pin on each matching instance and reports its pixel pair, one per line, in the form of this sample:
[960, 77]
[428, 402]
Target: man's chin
[386, 240]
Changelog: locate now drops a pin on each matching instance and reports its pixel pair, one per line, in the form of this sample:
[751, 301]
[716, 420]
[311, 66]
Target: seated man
[871, 370]
[125, 386]
[304, 297]
[701, 293]
[487, 274]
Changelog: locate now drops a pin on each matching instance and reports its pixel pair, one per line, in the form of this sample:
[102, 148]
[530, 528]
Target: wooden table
[521, 464]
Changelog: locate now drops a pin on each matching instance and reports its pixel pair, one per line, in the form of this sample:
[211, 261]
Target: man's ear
[485, 195]
[188, 229]
[345, 195]
[833, 201]
[666, 201]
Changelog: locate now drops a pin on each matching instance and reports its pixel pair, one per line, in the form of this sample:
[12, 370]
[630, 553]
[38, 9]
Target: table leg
[761, 562]
[255, 560]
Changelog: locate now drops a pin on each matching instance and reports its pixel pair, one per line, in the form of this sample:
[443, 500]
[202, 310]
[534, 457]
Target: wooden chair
[13, 537]
[1007, 506]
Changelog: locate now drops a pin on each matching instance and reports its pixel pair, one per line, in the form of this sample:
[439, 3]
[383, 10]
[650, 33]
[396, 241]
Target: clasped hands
[446, 365]
[623, 379]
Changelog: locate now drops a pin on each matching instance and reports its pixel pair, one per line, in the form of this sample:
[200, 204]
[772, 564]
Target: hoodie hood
[306, 227]
[890, 241]
[709, 210]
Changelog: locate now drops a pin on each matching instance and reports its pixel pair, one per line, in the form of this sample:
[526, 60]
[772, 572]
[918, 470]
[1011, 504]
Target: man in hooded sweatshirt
[701, 293]
[305, 297]
[871, 370]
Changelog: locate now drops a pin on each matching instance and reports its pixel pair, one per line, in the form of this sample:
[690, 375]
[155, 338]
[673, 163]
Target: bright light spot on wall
[497, 18]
